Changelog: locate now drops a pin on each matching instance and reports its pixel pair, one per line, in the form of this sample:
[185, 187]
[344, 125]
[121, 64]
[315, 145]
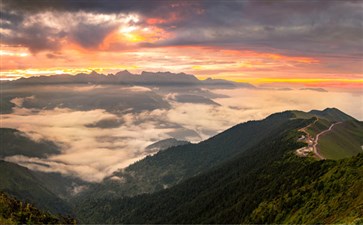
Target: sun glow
[13, 53]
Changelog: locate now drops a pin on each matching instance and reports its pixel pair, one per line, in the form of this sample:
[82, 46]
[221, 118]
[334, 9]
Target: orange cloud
[154, 21]
[130, 37]
[117, 52]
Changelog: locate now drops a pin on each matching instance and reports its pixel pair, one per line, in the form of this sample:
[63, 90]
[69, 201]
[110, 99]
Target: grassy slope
[318, 127]
[13, 211]
[344, 140]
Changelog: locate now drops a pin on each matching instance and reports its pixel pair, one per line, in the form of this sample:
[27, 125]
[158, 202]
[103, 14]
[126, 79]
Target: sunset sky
[306, 43]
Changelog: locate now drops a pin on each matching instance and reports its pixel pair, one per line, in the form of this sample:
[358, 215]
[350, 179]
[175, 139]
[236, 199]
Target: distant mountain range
[314, 89]
[127, 78]
[246, 174]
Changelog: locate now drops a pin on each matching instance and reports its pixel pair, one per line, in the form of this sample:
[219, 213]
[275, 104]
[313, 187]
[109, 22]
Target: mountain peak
[124, 72]
[332, 114]
[94, 73]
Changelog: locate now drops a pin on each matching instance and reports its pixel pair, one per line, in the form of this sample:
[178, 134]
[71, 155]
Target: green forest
[13, 211]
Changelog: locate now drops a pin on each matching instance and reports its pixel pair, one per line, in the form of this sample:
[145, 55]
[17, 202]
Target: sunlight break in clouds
[314, 43]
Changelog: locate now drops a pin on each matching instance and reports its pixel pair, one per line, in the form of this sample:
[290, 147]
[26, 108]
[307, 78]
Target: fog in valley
[102, 128]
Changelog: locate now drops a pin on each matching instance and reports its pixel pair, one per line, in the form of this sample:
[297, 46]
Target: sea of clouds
[96, 142]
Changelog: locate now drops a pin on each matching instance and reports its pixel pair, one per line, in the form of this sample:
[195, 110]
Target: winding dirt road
[315, 149]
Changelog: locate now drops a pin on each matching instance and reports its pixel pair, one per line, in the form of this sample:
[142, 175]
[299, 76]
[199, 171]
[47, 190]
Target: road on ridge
[317, 139]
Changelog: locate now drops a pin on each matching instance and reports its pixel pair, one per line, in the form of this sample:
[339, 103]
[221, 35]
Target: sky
[274, 43]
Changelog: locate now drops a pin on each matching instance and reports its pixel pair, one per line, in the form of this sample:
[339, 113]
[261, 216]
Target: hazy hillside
[171, 166]
[164, 144]
[20, 182]
[14, 142]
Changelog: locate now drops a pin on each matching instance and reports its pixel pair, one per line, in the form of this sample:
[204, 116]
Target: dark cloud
[91, 35]
[105, 6]
[8, 19]
[36, 37]
[289, 27]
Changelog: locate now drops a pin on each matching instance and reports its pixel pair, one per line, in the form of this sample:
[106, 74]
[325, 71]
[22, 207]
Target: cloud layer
[92, 148]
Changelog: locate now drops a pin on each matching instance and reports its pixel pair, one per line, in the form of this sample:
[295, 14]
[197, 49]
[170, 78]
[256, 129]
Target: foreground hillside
[13, 211]
[177, 164]
[25, 185]
[267, 184]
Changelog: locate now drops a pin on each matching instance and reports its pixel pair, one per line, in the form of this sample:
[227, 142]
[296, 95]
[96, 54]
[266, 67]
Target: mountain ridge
[127, 78]
[237, 190]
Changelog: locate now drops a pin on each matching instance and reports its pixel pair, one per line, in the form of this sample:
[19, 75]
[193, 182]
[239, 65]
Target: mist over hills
[239, 189]
[116, 93]
[229, 112]
[194, 177]
[113, 148]
[15, 142]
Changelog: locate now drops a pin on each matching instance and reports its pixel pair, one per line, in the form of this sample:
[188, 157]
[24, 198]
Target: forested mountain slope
[26, 186]
[265, 184]
[171, 166]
